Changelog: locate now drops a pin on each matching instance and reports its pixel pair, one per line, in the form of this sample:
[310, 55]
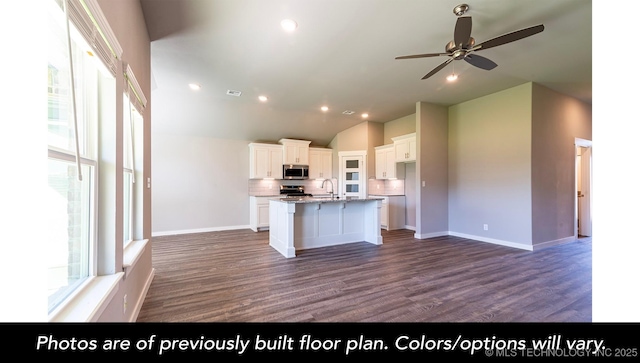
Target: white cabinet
[265, 161]
[259, 213]
[295, 151]
[385, 162]
[392, 212]
[405, 147]
[320, 163]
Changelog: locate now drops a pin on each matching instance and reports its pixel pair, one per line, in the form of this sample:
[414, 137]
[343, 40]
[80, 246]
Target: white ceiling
[342, 55]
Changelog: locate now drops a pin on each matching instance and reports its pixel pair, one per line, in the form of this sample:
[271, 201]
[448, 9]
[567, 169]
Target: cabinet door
[275, 163]
[290, 154]
[326, 160]
[320, 164]
[386, 163]
[412, 149]
[261, 167]
[302, 153]
[390, 160]
[263, 215]
[315, 165]
[384, 214]
[402, 151]
[296, 154]
[405, 147]
[265, 162]
[381, 164]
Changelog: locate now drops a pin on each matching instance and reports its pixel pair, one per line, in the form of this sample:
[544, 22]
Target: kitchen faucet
[330, 181]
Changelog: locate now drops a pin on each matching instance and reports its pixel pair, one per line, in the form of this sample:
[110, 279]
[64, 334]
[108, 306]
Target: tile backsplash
[266, 187]
[385, 187]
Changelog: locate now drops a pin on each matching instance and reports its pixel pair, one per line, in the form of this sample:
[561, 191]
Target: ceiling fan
[463, 46]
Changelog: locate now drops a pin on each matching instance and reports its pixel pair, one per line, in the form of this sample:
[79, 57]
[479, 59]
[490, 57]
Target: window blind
[139, 101]
[88, 18]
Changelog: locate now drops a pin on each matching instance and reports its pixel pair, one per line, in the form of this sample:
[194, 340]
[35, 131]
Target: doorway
[584, 195]
[353, 174]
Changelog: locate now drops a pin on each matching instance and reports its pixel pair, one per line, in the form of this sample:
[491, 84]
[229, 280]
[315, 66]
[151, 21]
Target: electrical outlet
[486, 227]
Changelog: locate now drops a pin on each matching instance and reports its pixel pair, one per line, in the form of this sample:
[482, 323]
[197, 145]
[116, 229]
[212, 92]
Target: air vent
[233, 93]
[348, 112]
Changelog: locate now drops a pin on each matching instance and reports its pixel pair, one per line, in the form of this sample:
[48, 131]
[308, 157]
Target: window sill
[90, 302]
[132, 253]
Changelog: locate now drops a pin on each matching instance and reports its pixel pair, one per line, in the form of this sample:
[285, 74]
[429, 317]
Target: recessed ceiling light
[289, 25]
[452, 77]
[365, 115]
[263, 98]
[324, 108]
[194, 86]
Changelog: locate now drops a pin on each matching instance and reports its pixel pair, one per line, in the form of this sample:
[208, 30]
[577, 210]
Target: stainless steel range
[293, 191]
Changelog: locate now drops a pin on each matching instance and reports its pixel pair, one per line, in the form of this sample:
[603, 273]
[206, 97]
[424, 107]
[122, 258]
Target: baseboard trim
[198, 230]
[143, 295]
[430, 235]
[411, 228]
[492, 240]
[556, 242]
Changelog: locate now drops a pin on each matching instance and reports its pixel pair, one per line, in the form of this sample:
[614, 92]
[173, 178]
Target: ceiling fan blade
[438, 68]
[480, 62]
[421, 55]
[510, 37]
[462, 32]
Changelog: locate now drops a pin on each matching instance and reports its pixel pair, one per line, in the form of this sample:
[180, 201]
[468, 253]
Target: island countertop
[314, 199]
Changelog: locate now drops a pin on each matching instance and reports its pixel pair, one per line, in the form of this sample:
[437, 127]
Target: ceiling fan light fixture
[452, 77]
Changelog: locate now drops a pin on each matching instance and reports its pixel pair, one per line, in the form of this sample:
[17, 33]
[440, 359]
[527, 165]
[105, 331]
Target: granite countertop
[324, 199]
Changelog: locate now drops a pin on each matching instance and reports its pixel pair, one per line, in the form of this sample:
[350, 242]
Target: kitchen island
[310, 222]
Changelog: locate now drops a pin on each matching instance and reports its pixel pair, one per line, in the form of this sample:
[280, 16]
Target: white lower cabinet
[392, 212]
[259, 213]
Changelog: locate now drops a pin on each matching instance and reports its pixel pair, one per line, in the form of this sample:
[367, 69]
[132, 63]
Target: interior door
[352, 176]
[584, 198]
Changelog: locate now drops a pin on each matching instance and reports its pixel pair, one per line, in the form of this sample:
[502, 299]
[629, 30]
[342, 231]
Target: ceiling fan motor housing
[451, 46]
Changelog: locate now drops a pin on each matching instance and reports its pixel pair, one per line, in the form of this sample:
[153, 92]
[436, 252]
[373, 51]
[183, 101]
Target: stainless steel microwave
[295, 171]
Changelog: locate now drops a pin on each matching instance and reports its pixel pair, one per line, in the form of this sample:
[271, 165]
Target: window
[132, 175]
[72, 123]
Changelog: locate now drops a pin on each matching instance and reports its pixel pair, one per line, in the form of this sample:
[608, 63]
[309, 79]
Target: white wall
[199, 184]
[557, 120]
[490, 167]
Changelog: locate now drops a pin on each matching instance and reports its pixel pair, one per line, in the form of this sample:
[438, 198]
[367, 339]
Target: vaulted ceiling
[342, 55]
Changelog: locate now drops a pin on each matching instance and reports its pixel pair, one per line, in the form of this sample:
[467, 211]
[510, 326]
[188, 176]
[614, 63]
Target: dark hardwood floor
[234, 276]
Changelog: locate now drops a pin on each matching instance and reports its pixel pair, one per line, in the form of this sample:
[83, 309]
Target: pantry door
[353, 174]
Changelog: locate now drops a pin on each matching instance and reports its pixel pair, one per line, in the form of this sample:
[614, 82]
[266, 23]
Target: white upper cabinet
[320, 163]
[295, 151]
[405, 147]
[265, 161]
[386, 162]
